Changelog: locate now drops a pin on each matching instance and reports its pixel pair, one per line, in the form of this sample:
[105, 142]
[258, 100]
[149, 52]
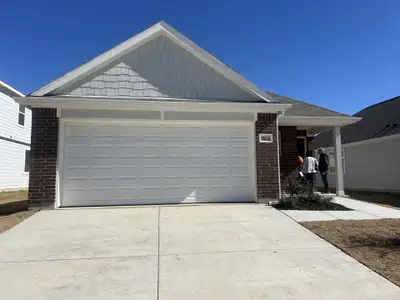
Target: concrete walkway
[223, 252]
[361, 211]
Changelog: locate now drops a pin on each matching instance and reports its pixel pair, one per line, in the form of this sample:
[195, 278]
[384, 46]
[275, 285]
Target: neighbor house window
[21, 115]
[27, 167]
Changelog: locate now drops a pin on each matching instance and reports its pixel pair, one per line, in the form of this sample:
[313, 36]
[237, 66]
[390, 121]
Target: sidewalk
[361, 211]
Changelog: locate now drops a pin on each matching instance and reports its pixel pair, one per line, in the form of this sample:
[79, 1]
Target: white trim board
[172, 104]
[317, 121]
[151, 33]
[11, 89]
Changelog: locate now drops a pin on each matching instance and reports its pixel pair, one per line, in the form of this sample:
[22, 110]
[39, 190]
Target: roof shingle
[379, 120]
[303, 109]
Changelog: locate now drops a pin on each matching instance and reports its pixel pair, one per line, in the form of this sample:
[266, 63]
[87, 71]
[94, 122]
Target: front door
[301, 147]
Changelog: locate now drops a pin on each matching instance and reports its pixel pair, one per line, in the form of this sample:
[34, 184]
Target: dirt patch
[6, 197]
[9, 221]
[375, 243]
[384, 199]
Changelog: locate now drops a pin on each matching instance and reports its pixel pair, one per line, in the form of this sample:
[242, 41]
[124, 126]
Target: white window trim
[21, 113]
[25, 172]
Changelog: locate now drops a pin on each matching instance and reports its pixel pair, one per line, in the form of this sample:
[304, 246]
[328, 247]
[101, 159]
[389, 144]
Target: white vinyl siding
[12, 153]
[160, 69]
[9, 127]
[372, 165]
[154, 164]
[12, 166]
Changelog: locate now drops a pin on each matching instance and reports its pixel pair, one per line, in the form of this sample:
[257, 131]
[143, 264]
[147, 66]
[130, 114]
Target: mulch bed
[310, 205]
[375, 243]
[9, 221]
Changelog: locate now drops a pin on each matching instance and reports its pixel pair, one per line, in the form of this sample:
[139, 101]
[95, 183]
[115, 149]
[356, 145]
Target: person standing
[324, 168]
[310, 168]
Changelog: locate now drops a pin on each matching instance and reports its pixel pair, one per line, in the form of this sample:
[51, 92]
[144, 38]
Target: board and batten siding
[371, 165]
[13, 143]
[160, 69]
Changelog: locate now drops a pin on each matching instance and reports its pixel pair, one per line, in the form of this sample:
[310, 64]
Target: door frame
[304, 143]
[63, 122]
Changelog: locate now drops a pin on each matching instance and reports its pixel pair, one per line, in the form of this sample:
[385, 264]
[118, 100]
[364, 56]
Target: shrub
[299, 198]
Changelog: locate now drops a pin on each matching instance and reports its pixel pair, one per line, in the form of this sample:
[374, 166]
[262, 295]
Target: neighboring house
[15, 139]
[371, 149]
[159, 120]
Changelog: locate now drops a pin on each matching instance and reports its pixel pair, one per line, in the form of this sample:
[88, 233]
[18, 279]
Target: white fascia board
[140, 39]
[169, 104]
[317, 121]
[11, 89]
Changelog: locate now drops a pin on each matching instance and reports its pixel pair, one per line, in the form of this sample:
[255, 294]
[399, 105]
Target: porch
[294, 141]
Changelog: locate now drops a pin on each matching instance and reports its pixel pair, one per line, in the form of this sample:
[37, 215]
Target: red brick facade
[288, 159]
[44, 139]
[42, 179]
[267, 159]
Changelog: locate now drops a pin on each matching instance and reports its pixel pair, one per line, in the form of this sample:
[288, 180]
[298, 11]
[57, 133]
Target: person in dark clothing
[324, 168]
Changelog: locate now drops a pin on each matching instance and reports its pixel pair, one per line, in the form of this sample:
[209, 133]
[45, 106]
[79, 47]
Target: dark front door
[301, 147]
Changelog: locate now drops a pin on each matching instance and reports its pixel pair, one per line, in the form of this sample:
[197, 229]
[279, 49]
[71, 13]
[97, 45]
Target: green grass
[6, 197]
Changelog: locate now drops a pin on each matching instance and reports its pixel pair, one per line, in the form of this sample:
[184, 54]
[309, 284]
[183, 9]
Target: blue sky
[342, 54]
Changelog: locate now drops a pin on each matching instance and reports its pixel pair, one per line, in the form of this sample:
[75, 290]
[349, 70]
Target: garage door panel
[78, 172]
[125, 171]
[111, 165]
[78, 151]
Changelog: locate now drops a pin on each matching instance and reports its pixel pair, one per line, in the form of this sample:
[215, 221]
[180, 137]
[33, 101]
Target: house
[159, 120]
[370, 151]
[15, 139]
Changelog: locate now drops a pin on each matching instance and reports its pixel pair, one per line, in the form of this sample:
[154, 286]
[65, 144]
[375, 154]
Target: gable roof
[126, 47]
[9, 90]
[303, 109]
[378, 120]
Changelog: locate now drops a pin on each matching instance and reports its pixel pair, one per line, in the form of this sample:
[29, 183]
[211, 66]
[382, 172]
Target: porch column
[337, 141]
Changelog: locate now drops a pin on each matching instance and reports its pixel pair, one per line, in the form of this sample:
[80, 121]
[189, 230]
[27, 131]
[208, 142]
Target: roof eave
[173, 104]
[11, 89]
[317, 121]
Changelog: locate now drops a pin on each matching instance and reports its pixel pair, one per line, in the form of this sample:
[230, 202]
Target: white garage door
[154, 164]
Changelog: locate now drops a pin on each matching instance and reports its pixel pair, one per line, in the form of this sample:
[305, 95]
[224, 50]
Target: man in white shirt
[309, 169]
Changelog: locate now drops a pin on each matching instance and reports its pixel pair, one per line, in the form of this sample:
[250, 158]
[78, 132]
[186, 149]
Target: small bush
[300, 197]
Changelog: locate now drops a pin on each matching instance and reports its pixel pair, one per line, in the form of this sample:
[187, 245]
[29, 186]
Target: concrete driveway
[219, 252]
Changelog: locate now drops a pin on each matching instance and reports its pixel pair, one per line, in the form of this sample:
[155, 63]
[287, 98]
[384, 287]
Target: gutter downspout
[278, 142]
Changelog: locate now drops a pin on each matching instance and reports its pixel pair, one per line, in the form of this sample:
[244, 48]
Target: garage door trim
[118, 122]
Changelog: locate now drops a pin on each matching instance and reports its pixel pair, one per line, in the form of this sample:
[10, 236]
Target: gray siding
[157, 69]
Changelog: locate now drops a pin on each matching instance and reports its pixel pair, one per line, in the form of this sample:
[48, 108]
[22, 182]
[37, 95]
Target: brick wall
[42, 176]
[267, 159]
[288, 158]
